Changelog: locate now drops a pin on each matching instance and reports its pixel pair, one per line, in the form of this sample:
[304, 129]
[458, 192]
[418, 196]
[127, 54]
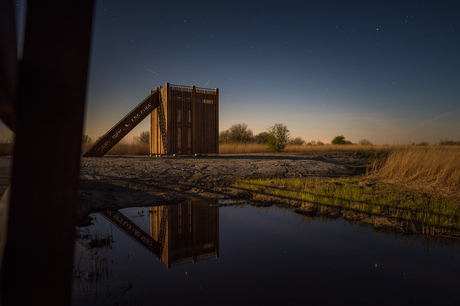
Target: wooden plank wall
[156, 144]
[192, 117]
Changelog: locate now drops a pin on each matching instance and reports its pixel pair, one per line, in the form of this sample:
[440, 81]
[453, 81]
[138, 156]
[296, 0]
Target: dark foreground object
[37, 263]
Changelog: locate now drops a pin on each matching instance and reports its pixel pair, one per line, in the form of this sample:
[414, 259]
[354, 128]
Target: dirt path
[116, 182]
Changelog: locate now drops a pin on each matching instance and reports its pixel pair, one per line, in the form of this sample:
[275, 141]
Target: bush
[298, 141]
[237, 133]
[449, 143]
[365, 142]
[143, 138]
[262, 138]
[339, 140]
[279, 137]
[86, 139]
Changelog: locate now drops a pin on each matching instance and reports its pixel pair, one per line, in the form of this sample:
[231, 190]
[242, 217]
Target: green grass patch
[361, 200]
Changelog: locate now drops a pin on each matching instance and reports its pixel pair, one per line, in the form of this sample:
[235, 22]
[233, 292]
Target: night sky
[386, 71]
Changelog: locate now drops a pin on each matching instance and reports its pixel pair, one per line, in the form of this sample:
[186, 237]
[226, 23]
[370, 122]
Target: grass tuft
[382, 206]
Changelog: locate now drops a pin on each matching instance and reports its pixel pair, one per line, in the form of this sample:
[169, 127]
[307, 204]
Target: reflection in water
[178, 233]
[268, 256]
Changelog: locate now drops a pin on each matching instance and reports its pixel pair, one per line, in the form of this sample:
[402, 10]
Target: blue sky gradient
[387, 71]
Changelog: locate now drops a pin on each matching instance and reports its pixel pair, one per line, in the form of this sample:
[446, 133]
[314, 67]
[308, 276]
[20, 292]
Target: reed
[240, 148]
[124, 148]
[434, 169]
[381, 206]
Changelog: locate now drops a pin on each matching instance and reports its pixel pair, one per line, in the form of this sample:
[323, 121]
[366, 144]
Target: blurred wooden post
[37, 266]
[216, 101]
[8, 64]
[194, 121]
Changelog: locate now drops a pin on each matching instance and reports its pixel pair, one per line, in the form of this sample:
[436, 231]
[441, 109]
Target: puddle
[198, 253]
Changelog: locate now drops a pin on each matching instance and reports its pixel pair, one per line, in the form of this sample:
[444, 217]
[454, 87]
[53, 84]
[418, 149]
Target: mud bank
[114, 182]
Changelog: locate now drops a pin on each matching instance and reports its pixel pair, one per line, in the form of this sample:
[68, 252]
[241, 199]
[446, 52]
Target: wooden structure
[191, 121]
[180, 233]
[183, 120]
[187, 232]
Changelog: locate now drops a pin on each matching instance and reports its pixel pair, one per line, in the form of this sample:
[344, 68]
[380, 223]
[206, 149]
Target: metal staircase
[129, 122]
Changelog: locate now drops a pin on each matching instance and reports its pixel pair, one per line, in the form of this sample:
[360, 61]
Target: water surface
[199, 254]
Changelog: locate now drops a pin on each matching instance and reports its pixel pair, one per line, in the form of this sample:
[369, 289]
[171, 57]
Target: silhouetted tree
[298, 141]
[86, 139]
[279, 137]
[143, 138]
[365, 142]
[237, 133]
[262, 138]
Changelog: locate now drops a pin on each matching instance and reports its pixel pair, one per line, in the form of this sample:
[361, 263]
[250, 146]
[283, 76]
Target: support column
[194, 123]
[217, 120]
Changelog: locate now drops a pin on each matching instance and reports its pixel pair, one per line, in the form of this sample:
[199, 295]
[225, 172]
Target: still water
[198, 253]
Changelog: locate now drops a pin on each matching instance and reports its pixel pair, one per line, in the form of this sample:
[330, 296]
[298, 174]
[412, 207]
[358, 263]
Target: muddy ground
[125, 181]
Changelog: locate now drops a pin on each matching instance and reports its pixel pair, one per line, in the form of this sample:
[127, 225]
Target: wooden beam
[37, 266]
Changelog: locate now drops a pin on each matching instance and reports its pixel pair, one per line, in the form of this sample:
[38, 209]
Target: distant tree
[319, 143]
[86, 139]
[298, 141]
[143, 138]
[423, 144]
[279, 137]
[365, 142]
[262, 138]
[224, 136]
[339, 140]
[237, 133]
[449, 143]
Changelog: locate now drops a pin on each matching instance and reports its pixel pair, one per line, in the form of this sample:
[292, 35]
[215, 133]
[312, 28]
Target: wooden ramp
[124, 126]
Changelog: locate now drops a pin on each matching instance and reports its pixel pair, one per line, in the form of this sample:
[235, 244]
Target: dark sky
[387, 71]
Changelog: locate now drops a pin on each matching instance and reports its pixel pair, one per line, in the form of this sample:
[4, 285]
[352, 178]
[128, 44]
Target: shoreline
[114, 182]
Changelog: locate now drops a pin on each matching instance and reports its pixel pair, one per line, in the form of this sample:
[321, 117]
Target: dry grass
[238, 148]
[433, 168]
[125, 148]
[260, 148]
[336, 148]
[6, 146]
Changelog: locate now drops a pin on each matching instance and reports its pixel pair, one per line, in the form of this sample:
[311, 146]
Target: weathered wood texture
[192, 121]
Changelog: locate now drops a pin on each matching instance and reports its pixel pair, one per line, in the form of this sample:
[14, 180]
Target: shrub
[86, 139]
[143, 138]
[365, 142]
[237, 133]
[446, 142]
[298, 141]
[262, 138]
[279, 137]
[339, 140]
